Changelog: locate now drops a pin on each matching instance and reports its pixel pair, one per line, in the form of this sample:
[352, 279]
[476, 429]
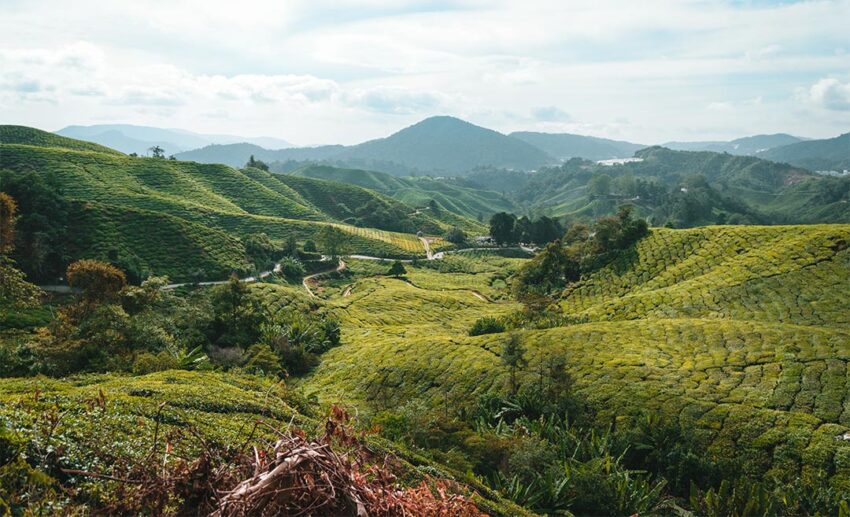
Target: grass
[738, 332]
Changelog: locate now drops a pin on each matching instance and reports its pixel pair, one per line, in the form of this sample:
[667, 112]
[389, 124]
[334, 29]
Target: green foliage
[291, 268]
[456, 236]
[486, 325]
[502, 228]
[397, 269]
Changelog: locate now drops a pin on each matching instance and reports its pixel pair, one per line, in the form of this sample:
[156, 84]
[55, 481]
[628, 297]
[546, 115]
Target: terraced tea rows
[198, 212]
[738, 332]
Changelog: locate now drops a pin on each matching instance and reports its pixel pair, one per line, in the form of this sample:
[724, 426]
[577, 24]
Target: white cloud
[830, 94]
[334, 70]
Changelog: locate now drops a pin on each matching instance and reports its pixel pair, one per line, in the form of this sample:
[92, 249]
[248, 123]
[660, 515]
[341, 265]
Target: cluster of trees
[583, 249]
[113, 326]
[39, 243]
[257, 164]
[506, 228]
[15, 291]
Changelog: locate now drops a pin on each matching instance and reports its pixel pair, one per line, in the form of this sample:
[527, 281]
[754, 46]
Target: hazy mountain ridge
[565, 145]
[822, 155]
[129, 138]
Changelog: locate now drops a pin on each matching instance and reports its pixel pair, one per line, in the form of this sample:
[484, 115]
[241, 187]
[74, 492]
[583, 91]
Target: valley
[631, 324]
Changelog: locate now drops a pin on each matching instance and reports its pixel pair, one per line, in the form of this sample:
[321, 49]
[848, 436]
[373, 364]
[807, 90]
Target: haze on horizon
[346, 71]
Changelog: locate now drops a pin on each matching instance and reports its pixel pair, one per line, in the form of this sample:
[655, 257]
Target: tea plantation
[179, 218]
[738, 333]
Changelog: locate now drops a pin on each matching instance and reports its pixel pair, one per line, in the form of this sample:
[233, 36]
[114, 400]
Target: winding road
[305, 281]
[430, 255]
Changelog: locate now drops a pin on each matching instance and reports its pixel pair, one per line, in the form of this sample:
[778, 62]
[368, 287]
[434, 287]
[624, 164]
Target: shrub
[291, 268]
[486, 325]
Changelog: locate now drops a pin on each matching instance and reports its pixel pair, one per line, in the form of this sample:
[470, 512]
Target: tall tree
[513, 357]
[8, 216]
[333, 241]
[502, 226]
[397, 269]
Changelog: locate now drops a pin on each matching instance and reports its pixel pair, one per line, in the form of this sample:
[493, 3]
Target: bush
[291, 268]
[486, 325]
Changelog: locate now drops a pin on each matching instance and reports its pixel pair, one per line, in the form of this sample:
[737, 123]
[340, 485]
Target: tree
[513, 357]
[290, 247]
[157, 151]
[599, 185]
[257, 164]
[333, 241]
[456, 236]
[502, 227]
[41, 224]
[99, 281]
[397, 269]
[309, 246]
[15, 291]
[8, 217]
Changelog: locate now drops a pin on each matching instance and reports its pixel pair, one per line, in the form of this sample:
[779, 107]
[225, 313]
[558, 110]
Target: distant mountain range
[447, 146]
[138, 139]
[831, 154]
[564, 146]
[434, 146]
[747, 146]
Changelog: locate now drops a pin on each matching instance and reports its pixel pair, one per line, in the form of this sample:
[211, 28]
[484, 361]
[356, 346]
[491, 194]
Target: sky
[345, 71]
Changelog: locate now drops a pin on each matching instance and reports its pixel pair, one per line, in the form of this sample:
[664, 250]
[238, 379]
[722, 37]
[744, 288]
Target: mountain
[565, 146]
[177, 218]
[455, 195]
[236, 155]
[138, 139]
[682, 188]
[448, 145]
[749, 145]
[831, 154]
[434, 146]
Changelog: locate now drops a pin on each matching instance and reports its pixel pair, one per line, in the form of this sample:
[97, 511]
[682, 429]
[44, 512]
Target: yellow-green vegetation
[179, 218]
[737, 333]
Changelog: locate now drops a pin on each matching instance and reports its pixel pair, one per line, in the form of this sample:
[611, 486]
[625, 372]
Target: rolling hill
[832, 154]
[176, 218]
[138, 139]
[687, 188]
[565, 146]
[740, 333]
[456, 196]
[448, 145]
[748, 146]
[434, 146]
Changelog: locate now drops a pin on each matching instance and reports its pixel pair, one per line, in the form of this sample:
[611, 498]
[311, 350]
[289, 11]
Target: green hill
[31, 136]
[434, 146]
[565, 146]
[455, 195]
[200, 213]
[740, 333]
[685, 188]
[822, 155]
[448, 145]
[748, 145]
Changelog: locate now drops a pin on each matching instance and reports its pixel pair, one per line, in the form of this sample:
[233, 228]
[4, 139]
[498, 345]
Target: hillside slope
[738, 332]
[827, 154]
[456, 196]
[565, 146]
[449, 145]
[39, 138]
[746, 146]
[200, 213]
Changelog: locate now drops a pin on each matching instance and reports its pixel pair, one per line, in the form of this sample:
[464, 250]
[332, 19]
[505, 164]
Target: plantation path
[427, 244]
[307, 278]
[347, 291]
